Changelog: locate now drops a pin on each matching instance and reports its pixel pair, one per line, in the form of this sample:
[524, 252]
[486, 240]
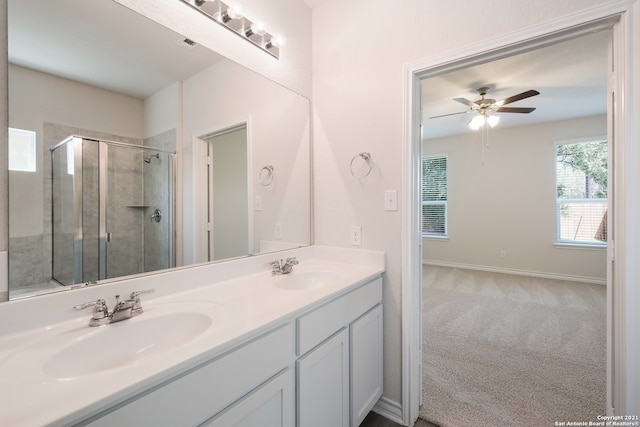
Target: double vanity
[238, 344]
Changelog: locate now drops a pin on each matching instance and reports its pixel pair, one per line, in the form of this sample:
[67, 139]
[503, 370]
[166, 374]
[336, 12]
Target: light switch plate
[391, 200]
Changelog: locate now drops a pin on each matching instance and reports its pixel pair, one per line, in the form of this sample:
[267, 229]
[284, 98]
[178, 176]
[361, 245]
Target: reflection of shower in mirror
[148, 159]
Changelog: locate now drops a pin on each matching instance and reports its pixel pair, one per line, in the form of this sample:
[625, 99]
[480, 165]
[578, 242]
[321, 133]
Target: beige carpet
[506, 350]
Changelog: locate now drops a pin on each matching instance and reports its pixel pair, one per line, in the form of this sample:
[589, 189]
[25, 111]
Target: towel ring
[365, 170]
[266, 175]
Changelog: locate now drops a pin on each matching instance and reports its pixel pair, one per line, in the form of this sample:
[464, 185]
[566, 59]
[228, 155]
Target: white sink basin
[79, 350]
[299, 280]
[125, 342]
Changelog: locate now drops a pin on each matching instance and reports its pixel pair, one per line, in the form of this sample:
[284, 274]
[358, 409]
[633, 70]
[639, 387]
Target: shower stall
[112, 210]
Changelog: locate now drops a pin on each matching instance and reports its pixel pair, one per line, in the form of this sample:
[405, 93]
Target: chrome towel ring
[266, 175]
[361, 168]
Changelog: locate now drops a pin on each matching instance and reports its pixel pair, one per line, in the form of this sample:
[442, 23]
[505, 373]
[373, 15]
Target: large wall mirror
[133, 149]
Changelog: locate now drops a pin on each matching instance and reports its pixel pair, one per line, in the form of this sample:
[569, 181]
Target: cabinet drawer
[196, 396]
[321, 323]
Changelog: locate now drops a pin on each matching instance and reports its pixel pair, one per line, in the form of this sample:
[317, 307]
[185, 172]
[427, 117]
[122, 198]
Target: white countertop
[244, 305]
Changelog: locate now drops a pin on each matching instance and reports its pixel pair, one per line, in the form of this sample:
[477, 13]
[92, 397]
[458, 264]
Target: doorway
[226, 219]
[571, 27]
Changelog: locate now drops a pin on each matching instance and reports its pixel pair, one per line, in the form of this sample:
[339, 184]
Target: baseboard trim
[545, 275]
[389, 409]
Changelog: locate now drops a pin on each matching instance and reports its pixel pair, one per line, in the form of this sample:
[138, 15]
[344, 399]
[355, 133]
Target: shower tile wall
[156, 196]
[125, 253]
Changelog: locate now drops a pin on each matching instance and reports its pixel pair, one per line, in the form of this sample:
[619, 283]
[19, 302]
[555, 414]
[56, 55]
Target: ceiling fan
[485, 106]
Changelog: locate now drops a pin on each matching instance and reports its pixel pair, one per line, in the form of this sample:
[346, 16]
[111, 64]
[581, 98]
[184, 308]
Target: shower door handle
[157, 215]
[109, 237]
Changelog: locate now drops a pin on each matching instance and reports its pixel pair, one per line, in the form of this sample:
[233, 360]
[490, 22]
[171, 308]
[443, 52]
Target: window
[22, 150]
[581, 192]
[434, 196]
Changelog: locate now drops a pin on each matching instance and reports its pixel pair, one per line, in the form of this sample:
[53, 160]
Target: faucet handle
[135, 294]
[137, 304]
[100, 314]
[99, 302]
[292, 261]
[276, 266]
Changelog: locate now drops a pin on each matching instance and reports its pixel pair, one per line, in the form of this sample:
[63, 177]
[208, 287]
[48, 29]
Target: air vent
[187, 43]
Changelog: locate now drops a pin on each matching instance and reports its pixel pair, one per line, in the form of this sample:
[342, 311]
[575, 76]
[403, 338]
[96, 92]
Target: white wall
[508, 203]
[162, 110]
[359, 51]
[37, 97]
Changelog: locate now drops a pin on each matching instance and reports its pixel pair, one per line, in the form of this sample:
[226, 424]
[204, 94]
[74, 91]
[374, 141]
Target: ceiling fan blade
[450, 114]
[466, 102]
[518, 97]
[514, 110]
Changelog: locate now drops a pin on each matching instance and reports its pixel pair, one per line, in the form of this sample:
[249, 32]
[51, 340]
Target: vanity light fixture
[233, 19]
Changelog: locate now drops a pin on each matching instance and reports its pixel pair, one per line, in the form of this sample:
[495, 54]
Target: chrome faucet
[280, 267]
[122, 310]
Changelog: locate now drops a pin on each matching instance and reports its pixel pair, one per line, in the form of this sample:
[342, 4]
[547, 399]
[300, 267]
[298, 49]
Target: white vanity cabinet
[323, 384]
[339, 371]
[320, 367]
[270, 405]
[366, 363]
[251, 375]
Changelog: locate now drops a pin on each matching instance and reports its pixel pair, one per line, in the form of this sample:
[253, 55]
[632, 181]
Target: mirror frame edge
[4, 157]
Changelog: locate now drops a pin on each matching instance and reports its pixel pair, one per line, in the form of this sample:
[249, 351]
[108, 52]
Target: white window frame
[29, 150]
[445, 203]
[558, 202]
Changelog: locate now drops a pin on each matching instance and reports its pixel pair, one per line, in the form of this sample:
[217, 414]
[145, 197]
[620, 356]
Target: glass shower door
[74, 201]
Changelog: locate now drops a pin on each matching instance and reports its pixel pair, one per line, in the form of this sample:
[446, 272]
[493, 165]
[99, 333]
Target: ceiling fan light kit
[483, 107]
[481, 119]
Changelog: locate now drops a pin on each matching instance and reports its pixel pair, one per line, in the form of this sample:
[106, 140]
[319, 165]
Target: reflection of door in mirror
[228, 219]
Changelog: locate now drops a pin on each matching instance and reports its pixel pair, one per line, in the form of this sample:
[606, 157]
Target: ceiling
[100, 43]
[571, 77]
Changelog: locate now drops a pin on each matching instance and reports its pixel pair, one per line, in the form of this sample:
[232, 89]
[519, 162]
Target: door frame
[618, 16]
[201, 183]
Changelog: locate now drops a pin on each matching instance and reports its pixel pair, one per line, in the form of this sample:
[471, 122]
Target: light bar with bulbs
[233, 19]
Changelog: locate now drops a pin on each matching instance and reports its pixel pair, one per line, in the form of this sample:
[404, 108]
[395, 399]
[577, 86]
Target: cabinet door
[366, 363]
[270, 405]
[323, 384]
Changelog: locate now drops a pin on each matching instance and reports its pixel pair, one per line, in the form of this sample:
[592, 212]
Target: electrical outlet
[391, 200]
[356, 235]
[503, 253]
[278, 230]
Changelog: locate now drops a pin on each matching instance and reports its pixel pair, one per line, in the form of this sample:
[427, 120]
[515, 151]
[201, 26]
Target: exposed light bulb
[476, 122]
[273, 42]
[229, 14]
[234, 12]
[493, 120]
[256, 28]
